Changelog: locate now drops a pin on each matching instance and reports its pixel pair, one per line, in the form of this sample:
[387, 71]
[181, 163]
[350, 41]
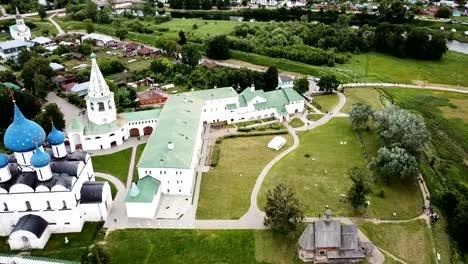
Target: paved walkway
[69, 111]
[402, 85]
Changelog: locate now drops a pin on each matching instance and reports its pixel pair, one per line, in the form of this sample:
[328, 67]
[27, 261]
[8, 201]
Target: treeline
[27, 6]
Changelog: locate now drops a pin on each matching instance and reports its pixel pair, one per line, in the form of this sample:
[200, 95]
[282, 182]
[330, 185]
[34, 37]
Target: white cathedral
[102, 127]
[46, 190]
[20, 31]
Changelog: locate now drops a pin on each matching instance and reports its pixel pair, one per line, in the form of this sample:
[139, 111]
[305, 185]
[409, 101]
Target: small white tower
[5, 174]
[56, 140]
[21, 31]
[40, 160]
[100, 100]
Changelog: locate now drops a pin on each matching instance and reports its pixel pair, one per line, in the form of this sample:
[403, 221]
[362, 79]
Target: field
[321, 178]
[115, 164]
[368, 96]
[201, 246]
[326, 102]
[40, 26]
[411, 241]
[225, 190]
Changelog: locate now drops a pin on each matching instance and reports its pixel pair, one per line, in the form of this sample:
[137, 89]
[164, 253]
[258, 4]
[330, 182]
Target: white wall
[16, 239]
[104, 141]
[141, 124]
[143, 210]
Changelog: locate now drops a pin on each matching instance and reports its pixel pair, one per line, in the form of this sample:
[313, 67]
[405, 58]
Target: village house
[285, 81]
[10, 49]
[100, 40]
[151, 97]
[43, 41]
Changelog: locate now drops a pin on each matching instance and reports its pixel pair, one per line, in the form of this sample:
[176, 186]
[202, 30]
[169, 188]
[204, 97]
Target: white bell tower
[100, 100]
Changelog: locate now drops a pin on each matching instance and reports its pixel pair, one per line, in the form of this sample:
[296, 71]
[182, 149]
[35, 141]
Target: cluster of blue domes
[55, 137]
[3, 160]
[23, 135]
[40, 158]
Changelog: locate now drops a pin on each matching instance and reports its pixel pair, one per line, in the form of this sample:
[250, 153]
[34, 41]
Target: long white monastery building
[169, 162]
[46, 190]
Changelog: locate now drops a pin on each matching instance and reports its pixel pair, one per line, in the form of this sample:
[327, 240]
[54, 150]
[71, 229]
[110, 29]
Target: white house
[171, 155]
[20, 31]
[277, 143]
[102, 127]
[10, 49]
[43, 41]
[100, 39]
[46, 190]
[285, 81]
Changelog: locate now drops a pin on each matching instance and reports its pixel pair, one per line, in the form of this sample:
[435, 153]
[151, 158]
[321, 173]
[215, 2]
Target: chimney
[215, 87]
[170, 145]
[252, 88]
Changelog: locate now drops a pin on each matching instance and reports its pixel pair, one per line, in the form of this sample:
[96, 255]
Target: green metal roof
[216, 93]
[140, 115]
[178, 123]
[77, 125]
[144, 191]
[292, 95]
[83, 125]
[11, 86]
[249, 95]
[14, 27]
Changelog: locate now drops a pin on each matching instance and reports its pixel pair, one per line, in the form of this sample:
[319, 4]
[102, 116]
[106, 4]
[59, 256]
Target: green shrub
[215, 155]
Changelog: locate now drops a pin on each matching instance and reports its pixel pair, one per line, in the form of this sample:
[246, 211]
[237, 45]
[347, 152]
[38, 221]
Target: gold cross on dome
[12, 96]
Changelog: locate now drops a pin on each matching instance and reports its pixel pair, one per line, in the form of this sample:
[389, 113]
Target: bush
[244, 129]
[76, 100]
[215, 155]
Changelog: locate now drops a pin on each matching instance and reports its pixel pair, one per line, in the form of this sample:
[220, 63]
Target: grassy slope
[115, 164]
[320, 179]
[412, 241]
[225, 190]
[327, 101]
[139, 151]
[368, 96]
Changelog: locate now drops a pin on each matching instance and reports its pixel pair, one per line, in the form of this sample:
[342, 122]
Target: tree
[182, 38]
[168, 45]
[61, 49]
[458, 226]
[328, 83]
[85, 49]
[443, 12]
[190, 55]
[96, 255]
[121, 33]
[176, 4]
[217, 47]
[7, 76]
[41, 11]
[206, 4]
[35, 66]
[359, 115]
[395, 162]
[401, 128]
[26, 101]
[160, 66]
[282, 211]
[24, 56]
[41, 85]
[89, 25]
[270, 78]
[395, 11]
[301, 85]
[160, 4]
[361, 188]
[51, 113]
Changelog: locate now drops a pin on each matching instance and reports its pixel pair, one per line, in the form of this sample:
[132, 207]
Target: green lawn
[368, 96]
[42, 25]
[321, 178]
[326, 101]
[139, 151]
[112, 186]
[202, 246]
[296, 122]
[225, 190]
[115, 164]
[314, 117]
[57, 249]
[412, 241]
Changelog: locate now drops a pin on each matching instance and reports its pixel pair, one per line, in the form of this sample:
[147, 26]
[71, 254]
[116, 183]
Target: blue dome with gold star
[55, 137]
[40, 158]
[3, 160]
[23, 134]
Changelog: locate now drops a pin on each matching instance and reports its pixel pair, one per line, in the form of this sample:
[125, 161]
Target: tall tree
[168, 45]
[190, 55]
[217, 47]
[283, 211]
[35, 66]
[206, 4]
[26, 101]
[7, 76]
[176, 4]
[395, 162]
[41, 11]
[182, 39]
[301, 85]
[360, 189]
[443, 12]
[89, 25]
[41, 85]
[121, 33]
[328, 83]
[24, 56]
[359, 115]
[270, 77]
[458, 226]
[51, 113]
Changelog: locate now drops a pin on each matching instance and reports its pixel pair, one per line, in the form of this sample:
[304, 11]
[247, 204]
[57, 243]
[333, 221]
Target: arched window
[28, 206]
[5, 207]
[64, 204]
[101, 107]
[92, 106]
[109, 104]
[48, 205]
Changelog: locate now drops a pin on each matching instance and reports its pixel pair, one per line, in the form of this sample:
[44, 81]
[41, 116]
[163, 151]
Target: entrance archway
[147, 130]
[134, 132]
[113, 144]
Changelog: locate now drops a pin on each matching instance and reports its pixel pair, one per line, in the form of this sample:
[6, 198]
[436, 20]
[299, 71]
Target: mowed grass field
[115, 164]
[411, 241]
[201, 246]
[225, 190]
[327, 101]
[322, 178]
[369, 96]
[139, 151]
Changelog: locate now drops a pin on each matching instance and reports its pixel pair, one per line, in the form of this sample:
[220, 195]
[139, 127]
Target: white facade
[10, 49]
[24, 239]
[20, 31]
[143, 210]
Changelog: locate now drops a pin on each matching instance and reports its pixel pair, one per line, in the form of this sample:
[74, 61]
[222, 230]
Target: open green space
[296, 122]
[139, 151]
[115, 164]
[201, 246]
[42, 27]
[320, 177]
[411, 241]
[369, 96]
[56, 247]
[314, 117]
[326, 102]
[225, 190]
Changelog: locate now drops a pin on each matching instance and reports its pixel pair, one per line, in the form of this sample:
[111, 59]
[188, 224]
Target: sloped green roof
[249, 95]
[77, 125]
[11, 86]
[178, 123]
[83, 125]
[14, 27]
[231, 106]
[216, 93]
[292, 95]
[147, 187]
[140, 115]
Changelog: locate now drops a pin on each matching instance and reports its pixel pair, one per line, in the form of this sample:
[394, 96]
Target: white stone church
[20, 31]
[101, 127]
[45, 189]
